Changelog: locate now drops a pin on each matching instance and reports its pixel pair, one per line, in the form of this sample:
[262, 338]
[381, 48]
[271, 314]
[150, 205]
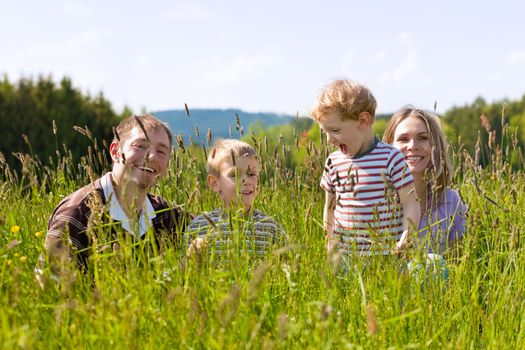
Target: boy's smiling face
[348, 135]
[237, 185]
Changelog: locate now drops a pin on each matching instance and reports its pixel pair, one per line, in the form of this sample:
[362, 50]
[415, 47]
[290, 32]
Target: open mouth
[246, 192]
[343, 149]
[413, 159]
[147, 169]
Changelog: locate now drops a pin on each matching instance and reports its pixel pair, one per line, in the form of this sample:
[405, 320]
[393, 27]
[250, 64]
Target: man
[140, 151]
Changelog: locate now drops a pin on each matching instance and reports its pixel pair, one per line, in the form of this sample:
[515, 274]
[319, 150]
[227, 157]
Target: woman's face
[412, 138]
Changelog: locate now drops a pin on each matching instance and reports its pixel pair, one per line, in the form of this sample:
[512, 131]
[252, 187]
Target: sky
[268, 55]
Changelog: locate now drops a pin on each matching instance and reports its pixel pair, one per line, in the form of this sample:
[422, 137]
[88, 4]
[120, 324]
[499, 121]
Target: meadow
[296, 298]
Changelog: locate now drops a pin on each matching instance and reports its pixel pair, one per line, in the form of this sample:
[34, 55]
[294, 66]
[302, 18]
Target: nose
[152, 156]
[412, 144]
[245, 180]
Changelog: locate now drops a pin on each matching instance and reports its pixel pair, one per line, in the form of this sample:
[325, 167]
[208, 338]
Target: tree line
[46, 120]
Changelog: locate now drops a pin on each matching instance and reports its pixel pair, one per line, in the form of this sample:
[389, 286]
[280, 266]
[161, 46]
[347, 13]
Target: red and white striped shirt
[368, 217]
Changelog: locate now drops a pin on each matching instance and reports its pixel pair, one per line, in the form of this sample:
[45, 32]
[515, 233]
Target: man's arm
[57, 246]
[411, 215]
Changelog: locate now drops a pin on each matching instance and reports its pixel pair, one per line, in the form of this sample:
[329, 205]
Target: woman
[418, 135]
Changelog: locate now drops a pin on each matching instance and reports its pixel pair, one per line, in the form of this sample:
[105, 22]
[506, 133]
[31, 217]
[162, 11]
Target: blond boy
[233, 173]
[370, 202]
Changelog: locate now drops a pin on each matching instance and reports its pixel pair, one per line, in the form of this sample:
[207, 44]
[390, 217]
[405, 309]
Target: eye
[140, 146]
[335, 130]
[402, 139]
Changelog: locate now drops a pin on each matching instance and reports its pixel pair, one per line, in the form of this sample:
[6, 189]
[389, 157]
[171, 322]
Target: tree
[41, 118]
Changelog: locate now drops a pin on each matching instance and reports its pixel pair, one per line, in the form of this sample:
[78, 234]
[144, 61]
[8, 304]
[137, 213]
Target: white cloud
[77, 9]
[410, 63]
[516, 57]
[240, 67]
[406, 69]
[493, 77]
[189, 11]
[379, 57]
[349, 62]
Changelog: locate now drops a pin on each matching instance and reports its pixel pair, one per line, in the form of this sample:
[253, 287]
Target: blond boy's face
[237, 185]
[348, 135]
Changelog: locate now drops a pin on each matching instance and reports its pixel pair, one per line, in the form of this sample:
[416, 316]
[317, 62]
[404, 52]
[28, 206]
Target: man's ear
[213, 183]
[364, 120]
[114, 151]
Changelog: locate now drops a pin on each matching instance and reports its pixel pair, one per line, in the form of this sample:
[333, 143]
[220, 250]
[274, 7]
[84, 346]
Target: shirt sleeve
[326, 178]
[197, 227]
[398, 170]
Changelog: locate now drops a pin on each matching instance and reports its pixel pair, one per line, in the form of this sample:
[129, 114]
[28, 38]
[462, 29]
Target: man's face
[139, 160]
[237, 185]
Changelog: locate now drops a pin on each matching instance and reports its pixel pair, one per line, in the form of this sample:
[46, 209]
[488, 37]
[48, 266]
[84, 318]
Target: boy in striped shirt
[237, 227]
[370, 203]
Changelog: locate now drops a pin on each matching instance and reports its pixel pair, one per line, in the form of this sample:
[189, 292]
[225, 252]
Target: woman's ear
[364, 120]
[213, 183]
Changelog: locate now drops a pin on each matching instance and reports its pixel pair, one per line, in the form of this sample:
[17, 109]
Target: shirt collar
[137, 229]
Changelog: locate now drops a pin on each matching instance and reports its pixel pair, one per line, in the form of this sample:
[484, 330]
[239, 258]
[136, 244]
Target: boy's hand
[196, 246]
[403, 244]
[400, 247]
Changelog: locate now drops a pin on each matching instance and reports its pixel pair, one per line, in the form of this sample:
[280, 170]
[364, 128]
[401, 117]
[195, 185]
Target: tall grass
[296, 298]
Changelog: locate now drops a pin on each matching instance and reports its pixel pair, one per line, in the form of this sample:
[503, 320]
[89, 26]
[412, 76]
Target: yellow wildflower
[15, 229]
[23, 258]
[38, 234]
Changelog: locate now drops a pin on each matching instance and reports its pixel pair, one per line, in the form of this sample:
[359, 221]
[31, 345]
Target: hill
[222, 122]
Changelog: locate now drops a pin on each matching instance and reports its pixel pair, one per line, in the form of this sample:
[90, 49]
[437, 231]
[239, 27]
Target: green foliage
[480, 126]
[39, 118]
[296, 298]
[379, 127]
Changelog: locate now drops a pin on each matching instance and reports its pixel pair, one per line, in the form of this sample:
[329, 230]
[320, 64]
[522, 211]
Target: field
[297, 298]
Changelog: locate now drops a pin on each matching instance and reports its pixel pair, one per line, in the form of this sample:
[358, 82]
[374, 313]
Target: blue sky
[269, 55]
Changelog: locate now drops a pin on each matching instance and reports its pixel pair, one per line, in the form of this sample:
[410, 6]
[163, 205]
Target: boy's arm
[328, 219]
[411, 215]
[195, 234]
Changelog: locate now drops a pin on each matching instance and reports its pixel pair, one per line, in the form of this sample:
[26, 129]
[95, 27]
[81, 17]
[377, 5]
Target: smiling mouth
[413, 159]
[147, 169]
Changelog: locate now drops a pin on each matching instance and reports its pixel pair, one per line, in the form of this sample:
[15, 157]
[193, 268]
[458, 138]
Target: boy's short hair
[148, 121]
[346, 97]
[227, 149]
